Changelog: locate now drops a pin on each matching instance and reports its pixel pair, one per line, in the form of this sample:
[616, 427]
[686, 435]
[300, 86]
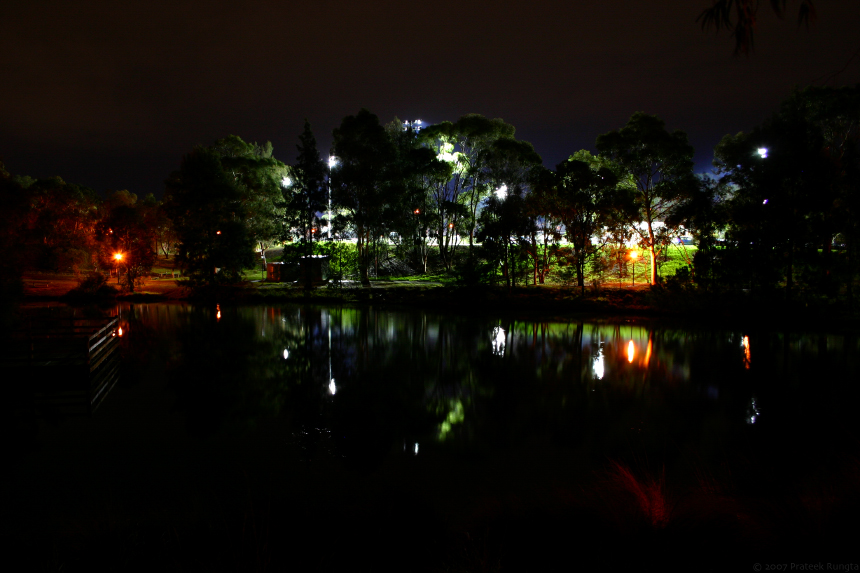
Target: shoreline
[688, 307]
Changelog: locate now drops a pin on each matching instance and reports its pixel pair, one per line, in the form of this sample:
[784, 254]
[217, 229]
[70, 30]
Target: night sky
[112, 94]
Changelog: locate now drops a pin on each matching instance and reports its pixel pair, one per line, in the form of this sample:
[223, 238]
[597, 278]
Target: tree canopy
[660, 164]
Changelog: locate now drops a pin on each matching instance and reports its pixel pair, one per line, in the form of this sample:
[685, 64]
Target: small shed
[316, 266]
[274, 271]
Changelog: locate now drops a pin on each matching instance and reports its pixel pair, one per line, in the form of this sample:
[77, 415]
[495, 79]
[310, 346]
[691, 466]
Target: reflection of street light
[633, 256]
[762, 152]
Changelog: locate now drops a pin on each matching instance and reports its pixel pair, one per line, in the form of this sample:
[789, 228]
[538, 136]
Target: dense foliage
[468, 199]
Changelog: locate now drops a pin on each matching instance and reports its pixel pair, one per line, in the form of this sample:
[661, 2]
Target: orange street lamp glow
[119, 332]
[217, 232]
[117, 256]
[417, 211]
[631, 351]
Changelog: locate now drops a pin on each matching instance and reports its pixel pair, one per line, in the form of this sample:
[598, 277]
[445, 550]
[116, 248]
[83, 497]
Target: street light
[118, 258]
[332, 163]
[633, 256]
[762, 152]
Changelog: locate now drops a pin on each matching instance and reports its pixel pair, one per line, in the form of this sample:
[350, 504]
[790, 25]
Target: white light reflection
[498, 341]
[597, 365]
[752, 411]
[416, 448]
[332, 389]
[286, 353]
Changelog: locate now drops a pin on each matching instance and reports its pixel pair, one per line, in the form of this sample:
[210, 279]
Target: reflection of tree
[218, 375]
[402, 378]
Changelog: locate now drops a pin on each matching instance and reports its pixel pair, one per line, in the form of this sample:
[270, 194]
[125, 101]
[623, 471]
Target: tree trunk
[363, 261]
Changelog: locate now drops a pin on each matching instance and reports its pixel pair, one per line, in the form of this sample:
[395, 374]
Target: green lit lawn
[678, 257]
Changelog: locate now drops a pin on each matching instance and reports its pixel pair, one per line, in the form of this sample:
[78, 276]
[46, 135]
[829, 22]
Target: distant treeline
[781, 215]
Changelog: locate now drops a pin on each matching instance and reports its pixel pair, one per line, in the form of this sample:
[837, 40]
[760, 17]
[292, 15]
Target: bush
[681, 279]
[95, 284]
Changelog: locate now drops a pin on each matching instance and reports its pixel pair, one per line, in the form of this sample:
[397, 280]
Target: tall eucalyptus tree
[661, 165]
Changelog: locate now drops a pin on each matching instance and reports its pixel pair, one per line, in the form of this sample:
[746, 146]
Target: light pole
[118, 258]
[332, 163]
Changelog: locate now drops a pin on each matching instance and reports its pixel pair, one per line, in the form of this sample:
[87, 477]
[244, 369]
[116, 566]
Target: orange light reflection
[648, 353]
[217, 312]
[747, 352]
[631, 351]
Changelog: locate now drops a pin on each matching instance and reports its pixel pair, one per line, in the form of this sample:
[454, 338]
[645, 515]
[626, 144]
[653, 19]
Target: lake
[327, 438]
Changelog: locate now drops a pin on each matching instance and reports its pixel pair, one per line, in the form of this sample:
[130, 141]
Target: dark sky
[112, 94]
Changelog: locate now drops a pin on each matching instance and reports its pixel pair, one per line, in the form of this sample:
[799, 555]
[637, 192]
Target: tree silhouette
[740, 17]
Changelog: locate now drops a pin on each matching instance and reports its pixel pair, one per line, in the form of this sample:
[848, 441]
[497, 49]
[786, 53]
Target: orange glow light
[747, 352]
[450, 225]
[217, 232]
[648, 353]
[118, 256]
[119, 332]
[634, 255]
[417, 211]
[631, 351]
[217, 312]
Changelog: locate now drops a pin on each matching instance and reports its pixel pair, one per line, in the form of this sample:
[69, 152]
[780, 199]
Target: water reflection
[358, 384]
[498, 341]
[599, 369]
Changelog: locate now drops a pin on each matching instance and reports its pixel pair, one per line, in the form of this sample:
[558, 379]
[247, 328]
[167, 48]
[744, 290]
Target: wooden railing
[70, 363]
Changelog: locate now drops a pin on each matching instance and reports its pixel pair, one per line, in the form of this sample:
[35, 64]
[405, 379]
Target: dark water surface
[314, 438]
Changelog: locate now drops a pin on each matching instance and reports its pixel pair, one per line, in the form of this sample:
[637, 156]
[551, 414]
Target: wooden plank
[104, 352]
